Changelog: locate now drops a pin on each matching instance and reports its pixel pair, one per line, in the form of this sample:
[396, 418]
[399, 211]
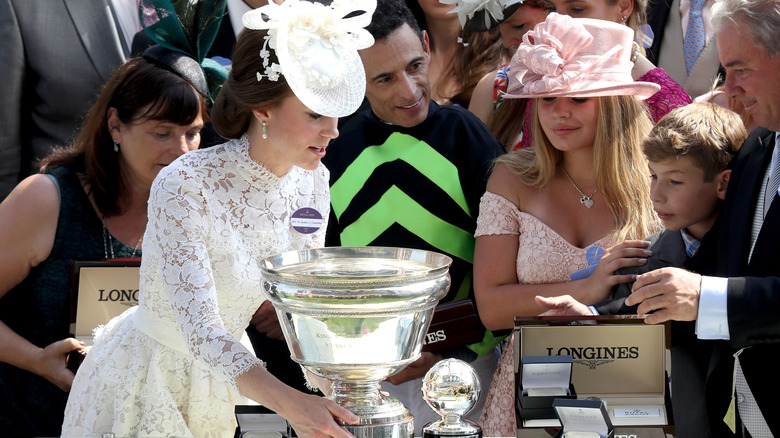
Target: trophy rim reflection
[355, 316]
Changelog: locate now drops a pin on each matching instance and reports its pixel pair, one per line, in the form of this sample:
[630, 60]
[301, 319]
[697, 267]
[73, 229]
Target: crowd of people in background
[573, 157]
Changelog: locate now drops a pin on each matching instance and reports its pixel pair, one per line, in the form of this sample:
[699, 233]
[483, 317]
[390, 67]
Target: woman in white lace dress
[550, 211]
[173, 365]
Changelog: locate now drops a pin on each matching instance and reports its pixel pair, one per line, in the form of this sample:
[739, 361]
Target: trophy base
[380, 416]
[438, 434]
[399, 429]
[462, 429]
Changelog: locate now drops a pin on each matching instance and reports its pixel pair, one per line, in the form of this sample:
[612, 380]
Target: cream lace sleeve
[497, 215]
[181, 221]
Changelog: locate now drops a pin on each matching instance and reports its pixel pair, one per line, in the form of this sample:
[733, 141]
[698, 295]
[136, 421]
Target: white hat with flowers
[482, 15]
[316, 45]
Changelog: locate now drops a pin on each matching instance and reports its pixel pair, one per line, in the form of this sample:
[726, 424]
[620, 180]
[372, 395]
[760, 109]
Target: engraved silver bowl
[356, 315]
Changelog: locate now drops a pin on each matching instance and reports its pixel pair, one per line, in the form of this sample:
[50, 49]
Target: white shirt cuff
[593, 309]
[713, 321]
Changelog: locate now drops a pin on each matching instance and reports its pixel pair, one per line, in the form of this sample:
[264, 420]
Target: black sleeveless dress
[38, 310]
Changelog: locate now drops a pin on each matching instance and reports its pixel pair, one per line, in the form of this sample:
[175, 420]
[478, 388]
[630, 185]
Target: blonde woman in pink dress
[580, 194]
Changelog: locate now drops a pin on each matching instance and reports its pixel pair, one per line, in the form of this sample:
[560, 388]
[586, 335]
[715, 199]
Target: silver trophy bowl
[354, 316]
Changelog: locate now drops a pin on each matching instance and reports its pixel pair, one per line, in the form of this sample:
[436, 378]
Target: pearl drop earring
[265, 131]
[116, 147]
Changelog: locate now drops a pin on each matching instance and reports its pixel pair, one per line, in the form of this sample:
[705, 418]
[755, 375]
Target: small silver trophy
[451, 388]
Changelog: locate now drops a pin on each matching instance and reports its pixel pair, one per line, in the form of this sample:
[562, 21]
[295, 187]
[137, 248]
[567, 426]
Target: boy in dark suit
[688, 152]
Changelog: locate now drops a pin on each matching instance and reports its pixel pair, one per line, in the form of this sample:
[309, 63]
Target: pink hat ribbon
[561, 55]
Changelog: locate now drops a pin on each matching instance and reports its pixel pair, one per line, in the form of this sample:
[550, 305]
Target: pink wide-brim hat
[575, 57]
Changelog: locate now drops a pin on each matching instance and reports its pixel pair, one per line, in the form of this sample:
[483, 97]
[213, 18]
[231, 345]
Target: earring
[624, 19]
[116, 147]
[265, 131]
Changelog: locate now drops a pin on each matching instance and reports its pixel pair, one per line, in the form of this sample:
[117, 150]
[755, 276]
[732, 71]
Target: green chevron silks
[404, 147]
[396, 206]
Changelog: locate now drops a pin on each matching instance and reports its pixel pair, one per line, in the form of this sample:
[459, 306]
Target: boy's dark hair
[708, 134]
[389, 15]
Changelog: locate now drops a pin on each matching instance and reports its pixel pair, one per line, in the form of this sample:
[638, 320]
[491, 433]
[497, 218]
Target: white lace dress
[168, 367]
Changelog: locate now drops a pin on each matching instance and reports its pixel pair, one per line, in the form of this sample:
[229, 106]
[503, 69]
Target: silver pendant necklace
[586, 200]
[108, 241]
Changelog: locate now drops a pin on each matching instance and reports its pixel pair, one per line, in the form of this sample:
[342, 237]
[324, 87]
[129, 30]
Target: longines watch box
[617, 359]
[455, 323]
[542, 380]
[583, 419]
[99, 291]
[260, 422]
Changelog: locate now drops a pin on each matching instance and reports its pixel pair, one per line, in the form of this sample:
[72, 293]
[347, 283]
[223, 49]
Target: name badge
[306, 220]
[592, 255]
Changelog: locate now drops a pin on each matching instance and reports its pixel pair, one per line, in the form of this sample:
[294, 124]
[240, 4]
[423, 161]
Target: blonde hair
[618, 162]
[707, 133]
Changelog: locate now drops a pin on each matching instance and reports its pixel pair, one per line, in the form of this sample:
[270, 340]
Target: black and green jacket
[413, 187]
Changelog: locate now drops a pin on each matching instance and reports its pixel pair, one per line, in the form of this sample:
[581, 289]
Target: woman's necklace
[108, 241]
[586, 200]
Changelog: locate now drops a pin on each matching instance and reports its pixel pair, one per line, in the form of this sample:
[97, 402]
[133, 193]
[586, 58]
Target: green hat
[184, 32]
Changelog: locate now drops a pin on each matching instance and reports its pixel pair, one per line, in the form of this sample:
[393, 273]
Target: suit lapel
[98, 32]
[673, 249]
[768, 241]
[745, 196]
[704, 71]
[669, 250]
[671, 58]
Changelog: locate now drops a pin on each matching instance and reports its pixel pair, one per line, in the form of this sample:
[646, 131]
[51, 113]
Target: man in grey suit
[55, 55]
[669, 20]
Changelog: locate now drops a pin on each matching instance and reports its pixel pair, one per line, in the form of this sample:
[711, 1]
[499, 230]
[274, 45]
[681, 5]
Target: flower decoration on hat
[575, 57]
[548, 64]
[488, 12]
[316, 46]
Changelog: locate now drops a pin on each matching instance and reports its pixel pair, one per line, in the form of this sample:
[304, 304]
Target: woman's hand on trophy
[310, 415]
[51, 363]
[416, 369]
[266, 321]
[314, 416]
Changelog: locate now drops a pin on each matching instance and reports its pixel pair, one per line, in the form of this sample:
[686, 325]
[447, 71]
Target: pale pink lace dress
[542, 257]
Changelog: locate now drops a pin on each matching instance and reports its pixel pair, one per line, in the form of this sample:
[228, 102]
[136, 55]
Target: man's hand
[672, 292]
[415, 369]
[562, 306]
[266, 321]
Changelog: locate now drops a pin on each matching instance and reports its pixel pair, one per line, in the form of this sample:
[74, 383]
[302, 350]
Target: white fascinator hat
[316, 45]
[482, 15]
